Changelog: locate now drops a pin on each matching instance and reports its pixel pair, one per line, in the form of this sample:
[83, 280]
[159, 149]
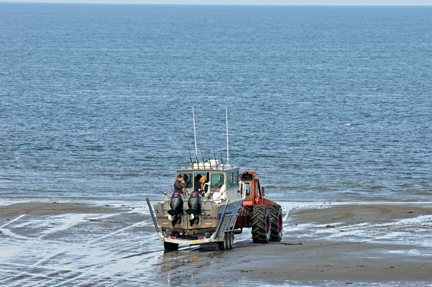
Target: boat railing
[207, 165]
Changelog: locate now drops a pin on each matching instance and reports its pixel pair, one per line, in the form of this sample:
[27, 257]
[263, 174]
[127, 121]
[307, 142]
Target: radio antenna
[190, 156]
[196, 150]
[214, 151]
[227, 135]
[196, 157]
[221, 156]
[202, 156]
[208, 152]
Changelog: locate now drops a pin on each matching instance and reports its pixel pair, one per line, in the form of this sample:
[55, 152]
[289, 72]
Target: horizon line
[211, 4]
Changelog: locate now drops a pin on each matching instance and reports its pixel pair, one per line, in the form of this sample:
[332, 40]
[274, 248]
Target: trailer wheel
[231, 240]
[261, 223]
[223, 244]
[170, 246]
[276, 222]
[228, 240]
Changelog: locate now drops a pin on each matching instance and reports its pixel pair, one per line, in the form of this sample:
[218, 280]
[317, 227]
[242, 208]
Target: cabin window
[230, 180]
[187, 177]
[217, 180]
[247, 186]
[235, 178]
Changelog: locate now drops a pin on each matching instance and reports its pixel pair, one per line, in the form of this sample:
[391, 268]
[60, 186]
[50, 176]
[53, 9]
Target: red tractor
[263, 215]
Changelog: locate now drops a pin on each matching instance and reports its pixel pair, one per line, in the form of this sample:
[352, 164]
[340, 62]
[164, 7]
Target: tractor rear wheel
[170, 246]
[276, 222]
[261, 224]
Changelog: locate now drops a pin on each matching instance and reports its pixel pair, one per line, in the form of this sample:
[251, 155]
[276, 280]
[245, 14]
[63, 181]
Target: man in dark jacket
[178, 184]
[197, 183]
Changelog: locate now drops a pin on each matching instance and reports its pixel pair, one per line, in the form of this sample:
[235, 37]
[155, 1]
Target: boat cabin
[217, 177]
[223, 193]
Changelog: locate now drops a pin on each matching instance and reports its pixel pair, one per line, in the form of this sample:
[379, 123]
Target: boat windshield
[217, 180]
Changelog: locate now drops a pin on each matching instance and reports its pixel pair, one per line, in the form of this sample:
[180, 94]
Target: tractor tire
[223, 244]
[276, 222]
[170, 246]
[261, 224]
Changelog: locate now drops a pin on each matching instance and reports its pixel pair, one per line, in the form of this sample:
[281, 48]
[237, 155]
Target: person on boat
[178, 184]
[197, 183]
[204, 185]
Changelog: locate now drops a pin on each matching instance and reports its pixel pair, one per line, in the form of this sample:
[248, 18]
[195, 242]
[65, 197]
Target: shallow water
[122, 248]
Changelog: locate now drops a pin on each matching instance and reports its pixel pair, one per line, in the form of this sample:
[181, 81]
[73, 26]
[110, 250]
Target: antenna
[196, 157]
[214, 151]
[190, 156]
[196, 151]
[227, 135]
[221, 156]
[208, 152]
[202, 156]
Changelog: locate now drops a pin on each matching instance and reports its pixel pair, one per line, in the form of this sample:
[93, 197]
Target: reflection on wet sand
[52, 244]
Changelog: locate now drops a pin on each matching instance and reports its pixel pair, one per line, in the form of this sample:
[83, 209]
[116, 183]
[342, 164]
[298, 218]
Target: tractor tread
[260, 217]
[276, 215]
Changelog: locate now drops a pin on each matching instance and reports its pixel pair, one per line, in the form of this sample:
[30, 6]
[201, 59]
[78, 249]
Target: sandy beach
[79, 244]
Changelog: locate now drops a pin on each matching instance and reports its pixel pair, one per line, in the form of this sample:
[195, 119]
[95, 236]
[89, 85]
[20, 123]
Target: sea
[329, 104]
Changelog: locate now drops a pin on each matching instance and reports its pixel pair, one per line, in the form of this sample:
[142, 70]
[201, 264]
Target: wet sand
[69, 244]
[344, 260]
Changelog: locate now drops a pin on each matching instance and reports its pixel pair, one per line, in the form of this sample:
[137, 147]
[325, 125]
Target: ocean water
[325, 103]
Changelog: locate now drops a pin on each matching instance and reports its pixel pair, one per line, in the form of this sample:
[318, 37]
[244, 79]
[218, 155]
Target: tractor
[263, 215]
